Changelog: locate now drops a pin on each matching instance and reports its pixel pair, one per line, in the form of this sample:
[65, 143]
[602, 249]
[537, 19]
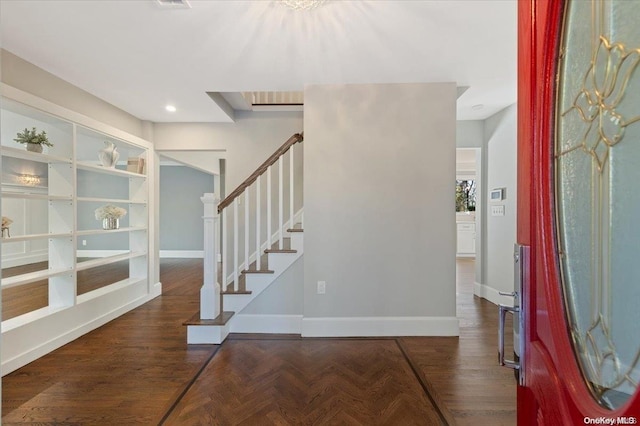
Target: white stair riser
[236, 302]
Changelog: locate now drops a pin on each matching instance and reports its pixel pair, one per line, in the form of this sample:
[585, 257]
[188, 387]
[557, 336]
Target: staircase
[256, 238]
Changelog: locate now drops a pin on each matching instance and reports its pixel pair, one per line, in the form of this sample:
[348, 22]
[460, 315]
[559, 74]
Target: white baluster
[224, 249]
[210, 291]
[291, 187]
[258, 209]
[246, 229]
[236, 254]
[280, 201]
[269, 207]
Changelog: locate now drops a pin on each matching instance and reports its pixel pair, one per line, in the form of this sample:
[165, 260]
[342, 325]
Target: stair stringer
[257, 283]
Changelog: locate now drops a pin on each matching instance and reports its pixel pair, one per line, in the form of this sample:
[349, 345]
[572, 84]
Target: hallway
[138, 369]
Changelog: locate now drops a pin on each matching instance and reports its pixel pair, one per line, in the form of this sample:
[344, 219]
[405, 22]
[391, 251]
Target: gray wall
[501, 139]
[246, 143]
[23, 75]
[181, 224]
[283, 297]
[379, 229]
[98, 186]
[469, 134]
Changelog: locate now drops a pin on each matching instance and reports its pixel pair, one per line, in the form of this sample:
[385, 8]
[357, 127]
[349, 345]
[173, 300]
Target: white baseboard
[182, 254]
[379, 326]
[491, 294]
[277, 324]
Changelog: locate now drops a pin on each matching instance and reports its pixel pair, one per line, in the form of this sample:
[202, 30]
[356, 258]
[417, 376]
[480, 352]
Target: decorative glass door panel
[597, 178]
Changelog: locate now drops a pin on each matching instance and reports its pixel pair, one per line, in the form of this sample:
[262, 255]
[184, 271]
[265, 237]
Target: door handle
[521, 274]
[502, 312]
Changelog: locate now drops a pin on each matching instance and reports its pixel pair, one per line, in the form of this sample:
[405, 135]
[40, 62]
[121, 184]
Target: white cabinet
[51, 198]
[466, 241]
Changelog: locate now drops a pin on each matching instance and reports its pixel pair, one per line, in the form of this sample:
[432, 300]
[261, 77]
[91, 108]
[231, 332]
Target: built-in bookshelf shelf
[51, 198]
[33, 237]
[82, 298]
[101, 261]
[33, 277]
[35, 196]
[110, 231]
[23, 154]
[82, 165]
[110, 200]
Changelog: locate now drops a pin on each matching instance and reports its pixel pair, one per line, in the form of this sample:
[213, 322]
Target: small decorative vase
[110, 223]
[34, 147]
[109, 154]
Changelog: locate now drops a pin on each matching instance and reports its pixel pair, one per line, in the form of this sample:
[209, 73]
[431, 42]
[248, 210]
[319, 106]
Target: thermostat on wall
[497, 194]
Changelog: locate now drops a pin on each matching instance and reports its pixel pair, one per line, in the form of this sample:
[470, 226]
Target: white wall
[379, 229]
[500, 132]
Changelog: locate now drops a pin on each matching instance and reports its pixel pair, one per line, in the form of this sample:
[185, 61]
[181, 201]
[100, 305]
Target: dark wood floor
[138, 370]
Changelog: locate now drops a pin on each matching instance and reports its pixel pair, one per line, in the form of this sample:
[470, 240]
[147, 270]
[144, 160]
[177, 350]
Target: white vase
[110, 223]
[109, 155]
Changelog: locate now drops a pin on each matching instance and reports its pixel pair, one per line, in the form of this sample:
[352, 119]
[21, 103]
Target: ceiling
[140, 56]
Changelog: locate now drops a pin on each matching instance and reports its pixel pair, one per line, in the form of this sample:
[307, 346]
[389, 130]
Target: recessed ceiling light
[170, 108]
[477, 107]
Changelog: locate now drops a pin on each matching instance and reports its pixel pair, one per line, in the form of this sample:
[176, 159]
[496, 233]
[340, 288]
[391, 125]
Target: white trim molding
[491, 294]
[380, 326]
[276, 324]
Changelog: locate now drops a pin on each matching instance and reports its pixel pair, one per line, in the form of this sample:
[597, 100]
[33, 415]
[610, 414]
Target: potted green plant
[33, 140]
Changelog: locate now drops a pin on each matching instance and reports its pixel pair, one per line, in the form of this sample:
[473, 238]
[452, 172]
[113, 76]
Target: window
[465, 195]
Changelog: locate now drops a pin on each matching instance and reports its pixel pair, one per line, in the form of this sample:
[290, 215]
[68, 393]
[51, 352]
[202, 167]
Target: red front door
[579, 210]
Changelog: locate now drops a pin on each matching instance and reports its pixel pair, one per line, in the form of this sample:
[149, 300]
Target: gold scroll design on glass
[603, 88]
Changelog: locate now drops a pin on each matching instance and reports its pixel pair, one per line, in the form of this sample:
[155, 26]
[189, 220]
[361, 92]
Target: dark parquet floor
[138, 370]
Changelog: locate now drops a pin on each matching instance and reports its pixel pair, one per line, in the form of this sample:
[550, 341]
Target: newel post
[210, 291]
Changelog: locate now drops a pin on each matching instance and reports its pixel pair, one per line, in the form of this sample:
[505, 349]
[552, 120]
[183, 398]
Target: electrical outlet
[84, 242]
[322, 287]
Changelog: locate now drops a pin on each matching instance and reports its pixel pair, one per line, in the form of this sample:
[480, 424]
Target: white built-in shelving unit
[55, 235]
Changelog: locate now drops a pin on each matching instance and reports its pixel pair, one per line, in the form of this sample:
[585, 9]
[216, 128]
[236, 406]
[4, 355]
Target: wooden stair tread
[221, 319]
[295, 230]
[257, 271]
[280, 251]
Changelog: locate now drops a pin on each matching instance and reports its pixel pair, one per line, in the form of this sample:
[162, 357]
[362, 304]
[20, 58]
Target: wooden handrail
[298, 137]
